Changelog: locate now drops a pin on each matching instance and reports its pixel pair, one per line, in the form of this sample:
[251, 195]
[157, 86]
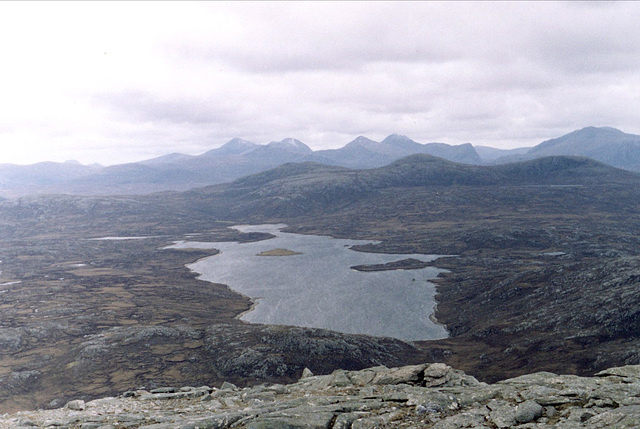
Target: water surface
[317, 287]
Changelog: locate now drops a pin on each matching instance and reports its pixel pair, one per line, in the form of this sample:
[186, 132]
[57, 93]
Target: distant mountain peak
[240, 141]
[604, 144]
[585, 139]
[237, 142]
[600, 128]
[596, 131]
[166, 159]
[291, 141]
[362, 141]
[401, 142]
[291, 144]
[396, 138]
[235, 146]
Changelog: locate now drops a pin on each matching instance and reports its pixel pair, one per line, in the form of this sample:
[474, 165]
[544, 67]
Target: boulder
[528, 411]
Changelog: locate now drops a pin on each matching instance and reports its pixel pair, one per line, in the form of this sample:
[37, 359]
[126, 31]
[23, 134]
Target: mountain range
[238, 158]
[544, 276]
[604, 144]
[303, 189]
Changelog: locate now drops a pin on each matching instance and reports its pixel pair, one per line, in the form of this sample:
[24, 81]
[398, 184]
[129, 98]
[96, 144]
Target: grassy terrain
[543, 276]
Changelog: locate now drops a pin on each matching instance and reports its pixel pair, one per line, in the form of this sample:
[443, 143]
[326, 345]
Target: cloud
[277, 37]
[122, 81]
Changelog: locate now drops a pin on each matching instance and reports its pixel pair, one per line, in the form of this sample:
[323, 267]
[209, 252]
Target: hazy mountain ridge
[604, 144]
[298, 189]
[43, 173]
[529, 238]
[235, 159]
[295, 189]
[490, 154]
[238, 158]
[427, 170]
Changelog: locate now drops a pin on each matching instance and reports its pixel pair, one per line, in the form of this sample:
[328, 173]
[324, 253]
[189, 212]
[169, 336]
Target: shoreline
[254, 304]
[429, 329]
[435, 320]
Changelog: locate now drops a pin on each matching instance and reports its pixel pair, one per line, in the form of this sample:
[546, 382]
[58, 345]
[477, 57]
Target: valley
[238, 158]
[544, 276]
[319, 289]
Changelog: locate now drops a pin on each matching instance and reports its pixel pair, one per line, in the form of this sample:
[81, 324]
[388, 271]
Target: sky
[118, 82]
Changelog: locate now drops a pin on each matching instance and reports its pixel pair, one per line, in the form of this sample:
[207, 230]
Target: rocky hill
[235, 159]
[366, 153]
[544, 276]
[298, 189]
[490, 154]
[238, 158]
[425, 396]
[604, 144]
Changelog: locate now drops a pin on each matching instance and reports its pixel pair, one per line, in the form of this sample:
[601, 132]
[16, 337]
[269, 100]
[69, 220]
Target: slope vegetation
[299, 189]
[544, 278]
[604, 144]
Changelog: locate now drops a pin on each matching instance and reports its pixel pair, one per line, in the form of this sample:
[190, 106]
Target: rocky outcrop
[427, 395]
[271, 353]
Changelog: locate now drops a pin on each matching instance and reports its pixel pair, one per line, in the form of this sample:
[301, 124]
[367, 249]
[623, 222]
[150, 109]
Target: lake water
[317, 288]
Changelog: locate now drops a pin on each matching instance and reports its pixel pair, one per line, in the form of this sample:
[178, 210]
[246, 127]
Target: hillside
[544, 276]
[589, 141]
[490, 154]
[238, 158]
[36, 178]
[604, 144]
[365, 153]
[235, 159]
[302, 189]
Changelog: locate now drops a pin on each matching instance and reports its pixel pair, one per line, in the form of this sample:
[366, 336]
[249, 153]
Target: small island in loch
[404, 264]
[279, 252]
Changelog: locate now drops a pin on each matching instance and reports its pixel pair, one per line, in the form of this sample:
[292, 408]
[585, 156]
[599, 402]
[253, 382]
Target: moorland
[544, 276]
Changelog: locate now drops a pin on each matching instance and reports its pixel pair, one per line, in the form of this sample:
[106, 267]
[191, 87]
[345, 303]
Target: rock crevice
[428, 395]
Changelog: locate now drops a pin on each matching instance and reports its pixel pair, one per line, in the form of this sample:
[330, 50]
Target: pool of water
[313, 285]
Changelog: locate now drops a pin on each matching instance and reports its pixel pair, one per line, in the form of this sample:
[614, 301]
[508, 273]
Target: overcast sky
[121, 81]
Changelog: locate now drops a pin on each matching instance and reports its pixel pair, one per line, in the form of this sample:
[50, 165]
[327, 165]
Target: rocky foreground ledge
[427, 396]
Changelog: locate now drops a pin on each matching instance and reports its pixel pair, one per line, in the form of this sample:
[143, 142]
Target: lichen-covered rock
[628, 371]
[76, 405]
[376, 397]
[528, 411]
[412, 374]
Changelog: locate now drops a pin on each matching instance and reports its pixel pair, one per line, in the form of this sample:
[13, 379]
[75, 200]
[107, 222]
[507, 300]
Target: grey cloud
[277, 39]
[581, 38]
[504, 73]
[149, 107]
[327, 36]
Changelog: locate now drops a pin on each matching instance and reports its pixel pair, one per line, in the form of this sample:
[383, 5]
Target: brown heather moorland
[544, 277]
